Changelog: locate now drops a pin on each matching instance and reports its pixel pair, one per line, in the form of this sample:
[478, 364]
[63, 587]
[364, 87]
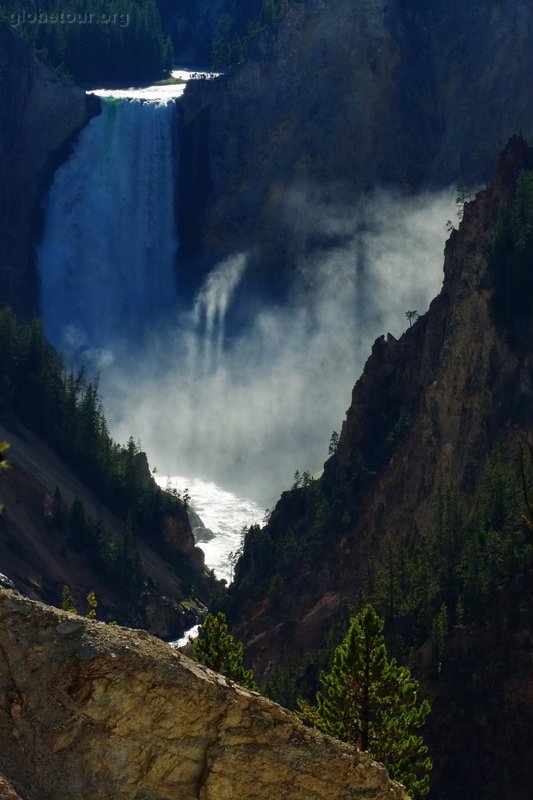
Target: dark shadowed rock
[39, 116]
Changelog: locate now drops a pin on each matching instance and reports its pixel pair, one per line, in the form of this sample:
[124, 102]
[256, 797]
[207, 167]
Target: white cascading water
[107, 268]
[241, 412]
[210, 309]
[107, 256]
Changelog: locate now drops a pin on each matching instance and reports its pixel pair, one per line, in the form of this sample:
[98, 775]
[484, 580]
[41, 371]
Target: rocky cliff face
[344, 96]
[459, 384]
[94, 711]
[40, 556]
[39, 117]
[425, 416]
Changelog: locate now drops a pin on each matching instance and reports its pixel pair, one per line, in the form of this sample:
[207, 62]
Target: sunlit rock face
[39, 116]
[96, 711]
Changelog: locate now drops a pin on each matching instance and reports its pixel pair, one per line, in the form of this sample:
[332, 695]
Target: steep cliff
[40, 550]
[389, 518]
[95, 711]
[39, 117]
[343, 96]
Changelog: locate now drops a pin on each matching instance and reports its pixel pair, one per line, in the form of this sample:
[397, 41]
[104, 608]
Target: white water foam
[222, 512]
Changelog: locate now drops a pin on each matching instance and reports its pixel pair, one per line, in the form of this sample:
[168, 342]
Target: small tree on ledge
[412, 316]
[216, 648]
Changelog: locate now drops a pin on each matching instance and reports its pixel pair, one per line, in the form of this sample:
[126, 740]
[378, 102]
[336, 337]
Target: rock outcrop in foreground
[96, 711]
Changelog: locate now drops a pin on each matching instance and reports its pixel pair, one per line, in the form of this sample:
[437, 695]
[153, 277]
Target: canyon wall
[342, 97]
[427, 415]
[39, 117]
[40, 552]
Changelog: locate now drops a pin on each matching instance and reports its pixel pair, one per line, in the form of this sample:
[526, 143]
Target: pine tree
[372, 702]
[216, 648]
[67, 601]
[92, 604]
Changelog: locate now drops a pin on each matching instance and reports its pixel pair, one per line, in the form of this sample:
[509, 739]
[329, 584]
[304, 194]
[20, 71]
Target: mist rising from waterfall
[107, 257]
[247, 411]
[209, 313]
[243, 409]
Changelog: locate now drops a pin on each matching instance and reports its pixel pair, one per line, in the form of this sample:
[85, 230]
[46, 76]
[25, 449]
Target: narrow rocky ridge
[89, 710]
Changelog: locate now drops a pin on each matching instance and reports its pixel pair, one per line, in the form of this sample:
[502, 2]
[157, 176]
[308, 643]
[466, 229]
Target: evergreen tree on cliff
[372, 702]
[216, 648]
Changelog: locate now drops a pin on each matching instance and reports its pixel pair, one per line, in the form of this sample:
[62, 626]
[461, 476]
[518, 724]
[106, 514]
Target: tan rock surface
[95, 711]
[6, 790]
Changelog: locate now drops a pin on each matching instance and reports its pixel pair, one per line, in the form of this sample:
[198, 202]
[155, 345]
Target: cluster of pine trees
[366, 699]
[65, 409]
[427, 584]
[230, 46]
[92, 41]
[423, 583]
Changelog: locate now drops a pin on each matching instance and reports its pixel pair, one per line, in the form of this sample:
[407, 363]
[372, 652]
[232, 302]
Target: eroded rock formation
[89, 710]
[460, 385]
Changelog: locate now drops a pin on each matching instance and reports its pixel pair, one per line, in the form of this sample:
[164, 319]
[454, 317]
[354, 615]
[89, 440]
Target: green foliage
[427, 584]
[370, 701]
[92, 604]
[412, 316]
[280, 685]
[439, 630]
[94, 41]
[400, 428]
[65, 409]
[229, 48]
[333, 443]
[4, 447]
[67, 601]
[216, 648]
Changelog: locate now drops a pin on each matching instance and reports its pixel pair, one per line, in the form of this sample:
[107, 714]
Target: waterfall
[210, 309]
[107, 257]
[232, 388]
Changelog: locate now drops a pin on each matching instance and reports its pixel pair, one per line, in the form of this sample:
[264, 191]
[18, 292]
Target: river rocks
[202, 534]
[105, 713]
